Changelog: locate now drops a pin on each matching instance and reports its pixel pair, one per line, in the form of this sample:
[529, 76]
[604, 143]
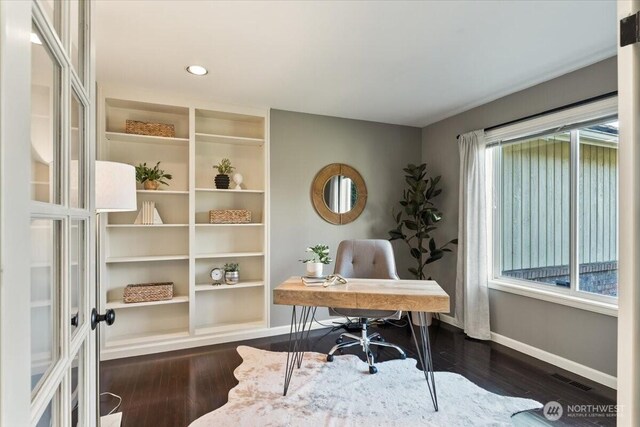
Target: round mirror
[338, 193]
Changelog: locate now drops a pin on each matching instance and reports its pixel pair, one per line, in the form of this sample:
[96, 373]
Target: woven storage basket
[147, 292]
[153, 129]
[229, 216]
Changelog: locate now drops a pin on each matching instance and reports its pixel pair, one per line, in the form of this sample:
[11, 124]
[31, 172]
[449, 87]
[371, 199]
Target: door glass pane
[52, 10]
[77, 387]
[50, 415]
[77, 274]
[45, 301]
[535, 209]
[76, 152]
[45, 122]
[77, 37]
[598, 209]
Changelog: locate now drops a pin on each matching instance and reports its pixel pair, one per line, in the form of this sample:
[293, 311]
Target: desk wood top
[374, 294]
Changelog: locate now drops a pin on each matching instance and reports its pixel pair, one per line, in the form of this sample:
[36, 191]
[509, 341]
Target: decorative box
[229, 216]
[147, 292]
[153, 129]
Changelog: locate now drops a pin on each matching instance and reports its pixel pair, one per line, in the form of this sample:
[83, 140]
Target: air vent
[570, 381]
[561, 378]
[580, 385]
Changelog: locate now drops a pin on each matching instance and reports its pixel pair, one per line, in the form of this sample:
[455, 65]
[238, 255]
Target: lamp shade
[115, 187]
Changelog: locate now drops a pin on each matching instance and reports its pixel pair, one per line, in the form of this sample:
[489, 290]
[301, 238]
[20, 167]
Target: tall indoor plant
[419, 218]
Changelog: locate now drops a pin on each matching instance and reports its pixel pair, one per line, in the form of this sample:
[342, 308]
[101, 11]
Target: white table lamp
[115, 187]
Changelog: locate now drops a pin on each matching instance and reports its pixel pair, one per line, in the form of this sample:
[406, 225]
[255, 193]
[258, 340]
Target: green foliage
[418, 219]
[231, 266]
[224, 167]
[144, 173]
[320, 254]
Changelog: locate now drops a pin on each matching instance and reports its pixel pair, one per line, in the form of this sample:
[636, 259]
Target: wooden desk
[414, 296]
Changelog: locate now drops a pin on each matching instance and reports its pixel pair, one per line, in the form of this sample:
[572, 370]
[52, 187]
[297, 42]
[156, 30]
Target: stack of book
[148, 215]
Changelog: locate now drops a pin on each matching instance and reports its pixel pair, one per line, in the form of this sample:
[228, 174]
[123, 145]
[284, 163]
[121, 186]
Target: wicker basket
[229, 216]
[147, 292]
[153, 129]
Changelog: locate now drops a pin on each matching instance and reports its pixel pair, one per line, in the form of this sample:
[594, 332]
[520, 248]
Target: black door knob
[108, 317]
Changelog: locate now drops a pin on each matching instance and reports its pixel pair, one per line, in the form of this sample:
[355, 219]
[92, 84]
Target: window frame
[567, 120]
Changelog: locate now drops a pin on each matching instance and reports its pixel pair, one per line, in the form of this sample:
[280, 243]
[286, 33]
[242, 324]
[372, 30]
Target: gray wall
[301, 144]
[584, 337]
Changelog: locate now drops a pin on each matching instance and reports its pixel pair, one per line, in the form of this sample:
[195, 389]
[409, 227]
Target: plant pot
[222, 181]
[416, 319]
[151, 185]
[314, 269]
[231, 277]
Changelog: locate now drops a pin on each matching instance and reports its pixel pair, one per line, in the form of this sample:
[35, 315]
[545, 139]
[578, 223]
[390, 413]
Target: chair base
[365, 341]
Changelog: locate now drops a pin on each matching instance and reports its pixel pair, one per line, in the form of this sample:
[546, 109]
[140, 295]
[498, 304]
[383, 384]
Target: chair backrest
[366, 259]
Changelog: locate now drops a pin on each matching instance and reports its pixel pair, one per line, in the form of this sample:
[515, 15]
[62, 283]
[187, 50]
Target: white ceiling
[410, 63]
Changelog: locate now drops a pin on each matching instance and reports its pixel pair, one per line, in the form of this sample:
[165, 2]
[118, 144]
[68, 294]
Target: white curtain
[472, 294]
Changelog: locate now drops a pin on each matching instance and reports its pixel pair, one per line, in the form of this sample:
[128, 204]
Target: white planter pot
[314, 269]
[416, 320]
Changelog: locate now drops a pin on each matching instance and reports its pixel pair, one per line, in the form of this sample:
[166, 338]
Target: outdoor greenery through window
[539, 206]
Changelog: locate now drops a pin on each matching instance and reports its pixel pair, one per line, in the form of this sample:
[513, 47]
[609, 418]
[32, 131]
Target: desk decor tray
[229, 216]
[148, 292]
[152, 129]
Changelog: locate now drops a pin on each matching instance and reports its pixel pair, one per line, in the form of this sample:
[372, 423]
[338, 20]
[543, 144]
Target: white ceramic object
[314, 269]
[237, 178]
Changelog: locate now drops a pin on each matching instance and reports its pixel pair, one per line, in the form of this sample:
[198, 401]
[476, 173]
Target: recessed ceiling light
[35, 39]
[197, 70]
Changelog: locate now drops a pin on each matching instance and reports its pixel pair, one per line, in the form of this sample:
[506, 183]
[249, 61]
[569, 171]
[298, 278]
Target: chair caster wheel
[329, 357]
[373, 369]
[339, 341]
[403, 356]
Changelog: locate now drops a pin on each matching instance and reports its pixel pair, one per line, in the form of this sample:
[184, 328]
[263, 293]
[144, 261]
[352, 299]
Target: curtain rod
[553, 110]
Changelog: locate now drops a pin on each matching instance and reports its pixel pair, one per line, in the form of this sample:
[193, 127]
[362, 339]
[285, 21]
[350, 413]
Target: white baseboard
[545, 356]
[200, 341]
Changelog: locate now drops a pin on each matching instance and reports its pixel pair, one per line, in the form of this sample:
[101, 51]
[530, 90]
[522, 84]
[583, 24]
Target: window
[555, 208]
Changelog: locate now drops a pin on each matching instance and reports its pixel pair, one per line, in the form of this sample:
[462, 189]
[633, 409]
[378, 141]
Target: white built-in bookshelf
[185, 247]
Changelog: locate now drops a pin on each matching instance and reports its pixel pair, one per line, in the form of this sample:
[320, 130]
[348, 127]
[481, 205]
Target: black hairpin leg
[424, 354]
[298, 337]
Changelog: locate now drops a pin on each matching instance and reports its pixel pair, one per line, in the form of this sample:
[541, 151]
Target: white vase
[314, 269]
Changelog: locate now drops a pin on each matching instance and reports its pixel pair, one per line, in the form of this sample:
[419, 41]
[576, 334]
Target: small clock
[216, 275]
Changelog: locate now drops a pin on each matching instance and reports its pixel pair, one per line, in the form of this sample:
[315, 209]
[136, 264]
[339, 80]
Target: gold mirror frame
[317, 193]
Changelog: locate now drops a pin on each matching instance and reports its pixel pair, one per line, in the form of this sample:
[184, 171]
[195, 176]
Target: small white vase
[314, 269]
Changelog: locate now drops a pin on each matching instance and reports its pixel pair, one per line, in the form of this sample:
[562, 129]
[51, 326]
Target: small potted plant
[231, 273]
[151, 178]
[320, 257]
[224, 169]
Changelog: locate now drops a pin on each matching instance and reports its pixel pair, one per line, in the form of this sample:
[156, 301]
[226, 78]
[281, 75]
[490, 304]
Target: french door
[47, 353]
[629, 283]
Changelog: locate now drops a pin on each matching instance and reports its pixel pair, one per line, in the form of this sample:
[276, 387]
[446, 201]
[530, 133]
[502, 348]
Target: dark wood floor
[173, 389]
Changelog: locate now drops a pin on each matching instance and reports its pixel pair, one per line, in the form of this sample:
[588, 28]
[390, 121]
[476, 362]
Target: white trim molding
[545, 356]
[555, 122]
[559, 361]
[532, 290]
[201, 341]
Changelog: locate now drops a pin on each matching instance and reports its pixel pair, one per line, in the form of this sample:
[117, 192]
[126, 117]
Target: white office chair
[365, 259]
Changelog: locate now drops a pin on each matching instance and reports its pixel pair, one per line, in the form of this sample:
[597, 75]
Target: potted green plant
[319, 258]
[418, 219]
[231, 273]
[151, 178]
[224, 169]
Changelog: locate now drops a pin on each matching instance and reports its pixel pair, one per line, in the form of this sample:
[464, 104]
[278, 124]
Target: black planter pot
[222, 181]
